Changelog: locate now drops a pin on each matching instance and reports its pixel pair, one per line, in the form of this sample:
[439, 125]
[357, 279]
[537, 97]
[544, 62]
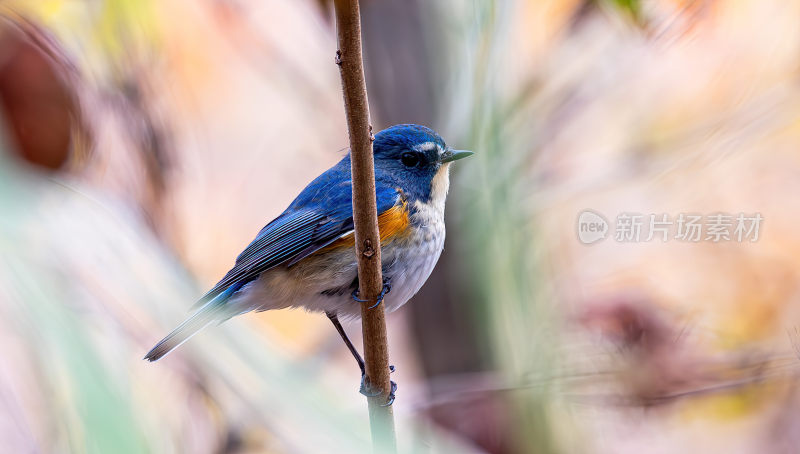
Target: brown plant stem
[365, 219]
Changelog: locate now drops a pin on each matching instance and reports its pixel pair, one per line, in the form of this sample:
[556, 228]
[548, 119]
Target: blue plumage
[321, 214]
[280, 267]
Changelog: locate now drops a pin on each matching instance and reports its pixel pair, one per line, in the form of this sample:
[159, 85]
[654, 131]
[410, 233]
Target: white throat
[439, 186]
[433, 211]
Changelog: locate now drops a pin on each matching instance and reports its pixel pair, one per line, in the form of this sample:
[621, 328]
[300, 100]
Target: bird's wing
[298, 233]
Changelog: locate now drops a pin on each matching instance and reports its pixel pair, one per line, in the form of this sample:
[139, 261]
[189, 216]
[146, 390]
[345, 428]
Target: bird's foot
[384, 291]
[368, 390]
[366, 387]
[390, 397]
[355, 297]
[387, 287]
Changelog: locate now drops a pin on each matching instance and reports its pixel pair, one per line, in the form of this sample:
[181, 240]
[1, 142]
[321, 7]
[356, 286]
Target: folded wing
[296, 234]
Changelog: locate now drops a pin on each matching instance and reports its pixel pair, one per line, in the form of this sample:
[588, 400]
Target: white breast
[414, 261]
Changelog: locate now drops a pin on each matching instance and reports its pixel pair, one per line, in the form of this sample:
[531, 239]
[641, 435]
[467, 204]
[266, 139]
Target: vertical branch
[365, 218]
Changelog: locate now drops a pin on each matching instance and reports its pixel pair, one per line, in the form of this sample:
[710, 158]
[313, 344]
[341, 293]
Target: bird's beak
[454, 155]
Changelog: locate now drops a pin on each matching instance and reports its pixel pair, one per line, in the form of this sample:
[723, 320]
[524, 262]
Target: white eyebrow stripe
[428, 146]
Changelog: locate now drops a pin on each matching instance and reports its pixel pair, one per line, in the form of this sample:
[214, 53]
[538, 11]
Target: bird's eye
[409, 159]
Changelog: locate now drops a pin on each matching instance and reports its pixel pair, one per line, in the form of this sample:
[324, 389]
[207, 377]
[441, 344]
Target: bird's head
[416, 158]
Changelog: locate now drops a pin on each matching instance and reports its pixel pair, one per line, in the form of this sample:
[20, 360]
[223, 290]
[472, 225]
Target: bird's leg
[336, 324]
[387, 287]
[365, 388]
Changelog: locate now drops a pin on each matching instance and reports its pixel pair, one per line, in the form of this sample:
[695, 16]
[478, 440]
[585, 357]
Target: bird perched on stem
[305, 257]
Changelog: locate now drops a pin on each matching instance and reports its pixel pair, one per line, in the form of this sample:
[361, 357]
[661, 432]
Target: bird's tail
[210, 312]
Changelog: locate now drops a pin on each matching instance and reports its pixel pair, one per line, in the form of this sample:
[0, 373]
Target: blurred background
[144, 143]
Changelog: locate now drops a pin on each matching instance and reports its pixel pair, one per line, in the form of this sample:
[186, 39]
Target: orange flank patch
[392, 224]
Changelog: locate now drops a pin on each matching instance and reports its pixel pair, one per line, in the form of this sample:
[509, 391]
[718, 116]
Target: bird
[305, 257]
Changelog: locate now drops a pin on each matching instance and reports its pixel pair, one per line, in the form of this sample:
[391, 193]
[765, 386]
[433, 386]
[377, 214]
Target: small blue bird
[305, 257]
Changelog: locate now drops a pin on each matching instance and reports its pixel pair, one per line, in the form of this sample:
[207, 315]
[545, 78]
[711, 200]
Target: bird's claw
[368, 390]
[355, 297]
[384, 291]
[390, 398]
